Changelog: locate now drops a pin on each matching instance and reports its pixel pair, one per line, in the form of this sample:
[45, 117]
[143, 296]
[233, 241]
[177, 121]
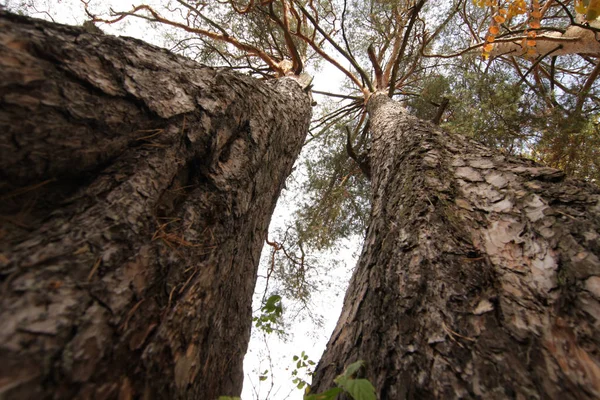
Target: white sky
[302, 335]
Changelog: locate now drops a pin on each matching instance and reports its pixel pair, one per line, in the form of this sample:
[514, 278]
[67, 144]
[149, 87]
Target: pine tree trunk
[136, 191]
[479, 276]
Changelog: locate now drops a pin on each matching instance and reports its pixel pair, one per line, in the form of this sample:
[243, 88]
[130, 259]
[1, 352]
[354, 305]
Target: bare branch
[363, 162]
[352, 61]
[341, 96]
[379, 82]
[536, 62]
[248, 49]
[440, 111]
[413, 17]
[297, 65]
[344, 30]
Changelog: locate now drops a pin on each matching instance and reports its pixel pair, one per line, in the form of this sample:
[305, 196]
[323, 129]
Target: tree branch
[413, 17]
[352, 61]
[586, 88]
[248, 49]
[440, 111]
[376, 67]
[363, 162]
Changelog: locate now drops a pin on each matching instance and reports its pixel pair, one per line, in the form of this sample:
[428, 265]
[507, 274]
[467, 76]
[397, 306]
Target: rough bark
[136, 191]
[479, 276]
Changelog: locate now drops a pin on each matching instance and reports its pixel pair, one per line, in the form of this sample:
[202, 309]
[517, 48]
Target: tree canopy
[537, 62]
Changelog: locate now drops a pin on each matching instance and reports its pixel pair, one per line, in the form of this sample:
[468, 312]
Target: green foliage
[489, 107]
[492, 107]
[263, 376]
[302, 363]
[358, 389]
[570, 143]
[330, 394]
[270, 315]
[435, 88]
[350, 371]
[337, 200]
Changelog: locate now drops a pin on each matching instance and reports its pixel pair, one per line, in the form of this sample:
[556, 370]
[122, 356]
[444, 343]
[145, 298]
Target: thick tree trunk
[136, 191]
[479, 276]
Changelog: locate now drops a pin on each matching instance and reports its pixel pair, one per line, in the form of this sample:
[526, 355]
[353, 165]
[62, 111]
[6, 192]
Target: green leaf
[295, 358]
[359, 389]
[301, 384]
[272, 302]
[341, 380]
[351, 370]
[262, 378]
[328, 395]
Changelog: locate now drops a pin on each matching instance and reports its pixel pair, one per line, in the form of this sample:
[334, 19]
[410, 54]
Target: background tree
[548, 53]
[419, 308]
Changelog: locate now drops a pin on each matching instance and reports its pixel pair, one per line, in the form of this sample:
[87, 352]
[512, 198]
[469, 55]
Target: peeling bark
[575, 40]
[136, 188]
[479, 276]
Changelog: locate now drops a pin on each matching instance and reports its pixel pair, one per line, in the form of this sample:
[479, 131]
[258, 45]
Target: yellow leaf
[488, 47]
[580, 8]
[593, 10]
[517, 7]
[536, 14]
[499, 19]
[535, 25]
[494, 30]
[531, 43]
[490, 38]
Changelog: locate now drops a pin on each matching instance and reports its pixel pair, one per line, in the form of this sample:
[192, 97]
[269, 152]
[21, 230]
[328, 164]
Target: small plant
[358, 389]
[302, 362]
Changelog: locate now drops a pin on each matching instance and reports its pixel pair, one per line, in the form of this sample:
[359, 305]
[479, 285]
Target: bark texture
[574, 40]
[136, 191]
[479, 276]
